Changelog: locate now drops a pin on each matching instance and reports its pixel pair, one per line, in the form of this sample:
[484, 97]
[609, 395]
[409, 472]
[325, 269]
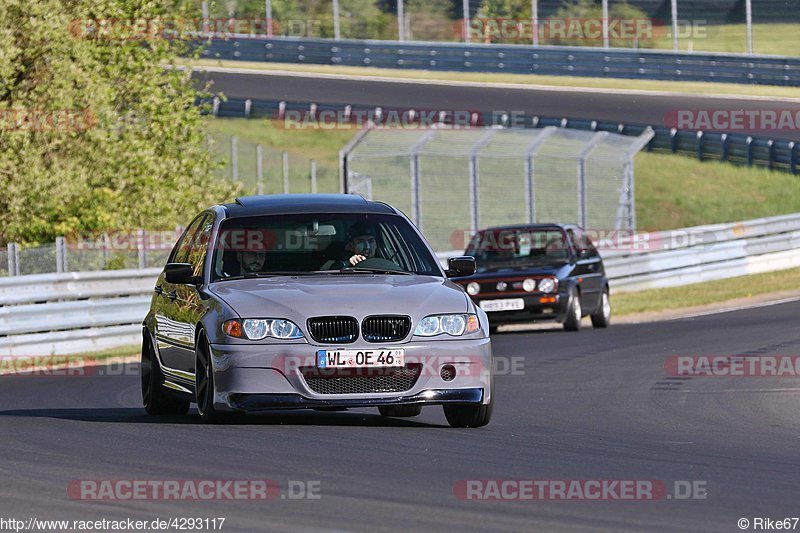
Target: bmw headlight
[256, 329]
[453, 325]
[547, 285]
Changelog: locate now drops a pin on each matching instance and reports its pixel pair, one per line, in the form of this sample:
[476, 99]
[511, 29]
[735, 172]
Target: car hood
[356, 295]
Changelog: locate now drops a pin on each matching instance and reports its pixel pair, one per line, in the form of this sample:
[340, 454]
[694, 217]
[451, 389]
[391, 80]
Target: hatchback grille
[333, 329]
[385, 328]
[361, 380]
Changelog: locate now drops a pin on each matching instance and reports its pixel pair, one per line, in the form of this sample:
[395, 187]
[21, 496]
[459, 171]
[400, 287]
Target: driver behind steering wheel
[361, 245]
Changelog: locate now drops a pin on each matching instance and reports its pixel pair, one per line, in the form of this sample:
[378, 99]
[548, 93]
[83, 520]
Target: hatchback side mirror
[461, 266]
[180, 274]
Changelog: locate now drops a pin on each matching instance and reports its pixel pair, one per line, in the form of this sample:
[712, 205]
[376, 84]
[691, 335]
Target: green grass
[709, 292]
[773, 39]
[677, 191]
[301, 145]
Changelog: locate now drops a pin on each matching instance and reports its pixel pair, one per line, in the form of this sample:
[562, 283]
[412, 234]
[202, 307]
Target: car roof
[282, 204]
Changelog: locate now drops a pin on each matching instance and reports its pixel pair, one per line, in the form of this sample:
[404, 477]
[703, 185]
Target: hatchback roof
[281, 204]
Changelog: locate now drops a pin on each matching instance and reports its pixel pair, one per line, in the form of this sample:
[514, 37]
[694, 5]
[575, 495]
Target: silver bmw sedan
[313, 301]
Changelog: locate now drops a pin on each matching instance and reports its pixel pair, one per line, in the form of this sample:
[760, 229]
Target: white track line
[478, 84]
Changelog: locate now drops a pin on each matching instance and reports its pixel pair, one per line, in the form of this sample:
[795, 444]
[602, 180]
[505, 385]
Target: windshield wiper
[254, 275]
[373, 271]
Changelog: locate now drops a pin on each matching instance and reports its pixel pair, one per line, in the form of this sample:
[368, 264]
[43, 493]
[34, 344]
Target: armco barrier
[775, 154]
[48, 313]
[55, 314]
[515, 59]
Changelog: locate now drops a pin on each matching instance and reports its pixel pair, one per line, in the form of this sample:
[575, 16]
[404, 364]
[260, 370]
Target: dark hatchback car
[538, 272]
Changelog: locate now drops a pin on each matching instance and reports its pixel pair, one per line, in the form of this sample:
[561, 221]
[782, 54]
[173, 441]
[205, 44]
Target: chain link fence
[452, 182]
[89, 252]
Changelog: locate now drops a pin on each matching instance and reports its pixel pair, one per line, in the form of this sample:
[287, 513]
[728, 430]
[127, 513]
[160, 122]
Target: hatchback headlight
[547, 285]
[473, 288]
[453, 325]
[256, 329]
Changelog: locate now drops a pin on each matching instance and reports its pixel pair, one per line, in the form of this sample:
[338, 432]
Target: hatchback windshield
[518, 247]
[320, 244]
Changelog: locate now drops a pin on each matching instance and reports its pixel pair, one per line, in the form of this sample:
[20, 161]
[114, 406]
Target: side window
[580, 241]
[199, 245]
[180, 254]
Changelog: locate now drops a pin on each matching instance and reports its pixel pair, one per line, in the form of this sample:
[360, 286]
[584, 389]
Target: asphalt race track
[604, 106]
[593, 405]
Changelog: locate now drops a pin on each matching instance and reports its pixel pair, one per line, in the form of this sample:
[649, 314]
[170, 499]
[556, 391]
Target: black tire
[572, 322]
[602, 317]
[468, 416]
[155, 399]
[400, 411]
[204, 385]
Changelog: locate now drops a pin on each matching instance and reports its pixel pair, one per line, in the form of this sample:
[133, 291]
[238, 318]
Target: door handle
[158, 289]
[172, 295]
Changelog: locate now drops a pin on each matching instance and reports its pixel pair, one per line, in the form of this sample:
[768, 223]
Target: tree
[119, 144]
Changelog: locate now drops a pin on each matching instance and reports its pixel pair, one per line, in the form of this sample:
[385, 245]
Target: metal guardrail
[775, 154]
[56, 314]
[515, 59]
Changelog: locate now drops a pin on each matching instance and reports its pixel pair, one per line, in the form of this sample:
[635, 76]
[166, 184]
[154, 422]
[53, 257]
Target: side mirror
[180, 274]
[461, 266]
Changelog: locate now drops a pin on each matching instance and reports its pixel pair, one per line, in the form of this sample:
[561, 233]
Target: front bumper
[256, 377]
[263, 402]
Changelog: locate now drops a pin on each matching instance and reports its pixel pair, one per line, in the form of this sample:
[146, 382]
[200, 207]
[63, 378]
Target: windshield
[320, 244]
[519, 247]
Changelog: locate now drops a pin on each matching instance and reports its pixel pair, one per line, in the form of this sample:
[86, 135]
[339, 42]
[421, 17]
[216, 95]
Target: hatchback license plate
[510, 304]
[360, 358]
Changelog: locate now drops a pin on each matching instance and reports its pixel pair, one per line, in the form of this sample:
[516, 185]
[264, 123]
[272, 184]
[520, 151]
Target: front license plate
[510, 304]
[360, 358]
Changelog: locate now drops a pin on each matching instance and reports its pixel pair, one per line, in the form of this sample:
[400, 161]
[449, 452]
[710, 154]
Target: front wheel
[572, 322]
[602, 317]
[468, 416]
[400, 411]
[204, 385]
[155, 399]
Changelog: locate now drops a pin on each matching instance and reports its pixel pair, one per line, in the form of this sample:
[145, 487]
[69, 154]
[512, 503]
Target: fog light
[529, 285]
[448, 372]
[473, 288]
[502, 285]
